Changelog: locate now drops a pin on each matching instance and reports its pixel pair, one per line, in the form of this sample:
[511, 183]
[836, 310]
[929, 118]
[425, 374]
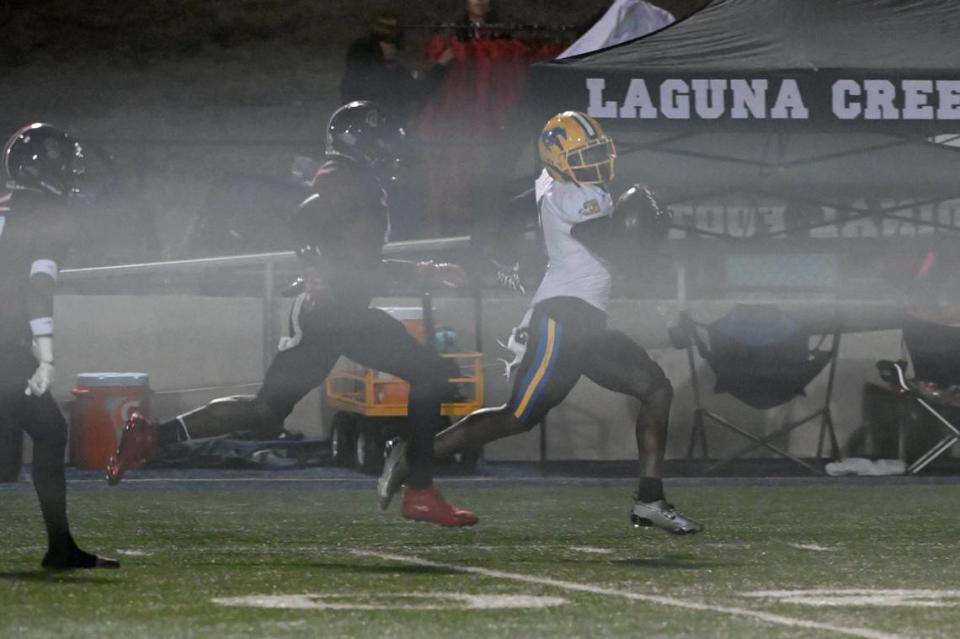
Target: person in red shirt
[474, 113]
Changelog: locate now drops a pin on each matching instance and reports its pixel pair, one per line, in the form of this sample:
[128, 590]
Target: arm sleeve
[436, 45]
[597, 234]
[49, 249]
[433, 78]
[357, 75]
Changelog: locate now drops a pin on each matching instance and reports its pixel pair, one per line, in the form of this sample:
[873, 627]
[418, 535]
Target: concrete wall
[197, 348]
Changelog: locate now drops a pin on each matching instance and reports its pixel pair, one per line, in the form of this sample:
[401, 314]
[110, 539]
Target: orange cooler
[104, 401]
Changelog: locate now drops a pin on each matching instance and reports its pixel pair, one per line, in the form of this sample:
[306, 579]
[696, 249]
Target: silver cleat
[664, 516]
[394, 473]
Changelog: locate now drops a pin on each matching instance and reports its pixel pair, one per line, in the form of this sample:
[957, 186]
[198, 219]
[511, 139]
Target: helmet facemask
[594, 163]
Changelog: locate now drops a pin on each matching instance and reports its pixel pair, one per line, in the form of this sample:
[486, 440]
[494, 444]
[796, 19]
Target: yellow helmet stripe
[585, 124]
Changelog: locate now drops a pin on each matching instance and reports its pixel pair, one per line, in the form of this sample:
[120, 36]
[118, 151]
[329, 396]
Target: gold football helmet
[575, 149]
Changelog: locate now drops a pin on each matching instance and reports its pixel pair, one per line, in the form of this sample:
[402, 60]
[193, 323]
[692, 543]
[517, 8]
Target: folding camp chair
[934, 351]
[762, 358]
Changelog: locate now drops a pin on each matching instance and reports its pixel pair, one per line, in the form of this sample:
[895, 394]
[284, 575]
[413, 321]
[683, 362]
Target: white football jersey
[572, 271]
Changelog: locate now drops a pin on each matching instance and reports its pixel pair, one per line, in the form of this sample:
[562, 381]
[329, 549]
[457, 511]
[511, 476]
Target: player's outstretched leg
[547, 372]
[473, 431]
[417, 505]
[617, 363]
[138, 441]
[142, 438]
[650, 506]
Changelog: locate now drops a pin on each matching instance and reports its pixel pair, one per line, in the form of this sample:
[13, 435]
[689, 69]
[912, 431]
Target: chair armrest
[894, 373]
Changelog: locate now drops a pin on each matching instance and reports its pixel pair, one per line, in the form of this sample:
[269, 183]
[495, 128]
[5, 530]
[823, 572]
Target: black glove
[638, 216]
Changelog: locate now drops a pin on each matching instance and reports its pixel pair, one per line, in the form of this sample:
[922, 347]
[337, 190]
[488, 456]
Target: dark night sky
[142, 32]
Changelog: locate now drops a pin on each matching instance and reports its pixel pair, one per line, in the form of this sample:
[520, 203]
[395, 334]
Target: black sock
[649, 489]
[423, 422]
[51, 487]
[170, 432]
[421, 470]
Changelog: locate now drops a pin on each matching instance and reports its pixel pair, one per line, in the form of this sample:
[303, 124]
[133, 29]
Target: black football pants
[40, 418]
[369, 337]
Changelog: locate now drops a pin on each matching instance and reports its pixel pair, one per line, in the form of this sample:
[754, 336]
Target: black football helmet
[41, 157]
[363, 132]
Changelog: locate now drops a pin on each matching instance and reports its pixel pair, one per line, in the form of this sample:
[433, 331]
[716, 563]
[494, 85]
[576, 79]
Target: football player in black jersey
[339, 234]
[41, 165]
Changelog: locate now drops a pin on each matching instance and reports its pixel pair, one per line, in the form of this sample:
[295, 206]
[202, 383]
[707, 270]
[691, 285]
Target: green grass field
[568, 545]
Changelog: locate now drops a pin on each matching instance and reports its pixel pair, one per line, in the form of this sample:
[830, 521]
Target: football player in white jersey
[565, 332]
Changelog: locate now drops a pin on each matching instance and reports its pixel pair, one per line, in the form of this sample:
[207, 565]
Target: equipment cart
[370, 406]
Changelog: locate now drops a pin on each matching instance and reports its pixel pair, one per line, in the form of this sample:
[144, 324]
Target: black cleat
[77, 559]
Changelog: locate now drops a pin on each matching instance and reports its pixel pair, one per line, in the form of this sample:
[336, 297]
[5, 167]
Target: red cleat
[429, 505]
[137, 443]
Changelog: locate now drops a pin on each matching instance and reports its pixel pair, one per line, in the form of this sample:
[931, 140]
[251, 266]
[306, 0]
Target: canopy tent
[624, 20]
[843, 103]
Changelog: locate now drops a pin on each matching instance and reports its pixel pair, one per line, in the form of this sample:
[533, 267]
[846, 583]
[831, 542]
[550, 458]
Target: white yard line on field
[860, 597]
[851, 631]
[813, 547]
[391, 601]
[592, 550]
[357, 480]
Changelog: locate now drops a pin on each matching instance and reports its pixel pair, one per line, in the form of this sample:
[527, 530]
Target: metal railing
[268, 261]
[254, 259]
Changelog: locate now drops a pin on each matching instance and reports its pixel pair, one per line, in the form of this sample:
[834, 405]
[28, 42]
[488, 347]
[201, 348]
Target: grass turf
[184, 543]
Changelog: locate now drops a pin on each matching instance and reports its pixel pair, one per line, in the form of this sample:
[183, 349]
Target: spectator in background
[375, 73]
[470, 122]
[478, 15]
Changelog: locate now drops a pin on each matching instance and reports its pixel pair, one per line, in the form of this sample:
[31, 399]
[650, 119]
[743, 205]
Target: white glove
[509, 277]
[42, 378]
[517, 344]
